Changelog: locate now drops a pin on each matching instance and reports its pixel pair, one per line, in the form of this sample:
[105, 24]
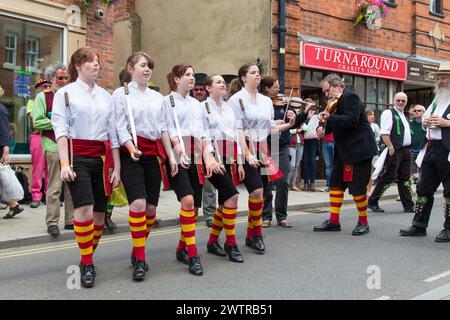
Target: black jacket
[4, 126]
[353, 136]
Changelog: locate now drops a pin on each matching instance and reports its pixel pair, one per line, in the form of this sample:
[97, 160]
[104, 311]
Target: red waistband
[90, 148]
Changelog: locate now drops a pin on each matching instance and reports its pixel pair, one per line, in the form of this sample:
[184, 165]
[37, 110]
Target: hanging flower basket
[369, 10]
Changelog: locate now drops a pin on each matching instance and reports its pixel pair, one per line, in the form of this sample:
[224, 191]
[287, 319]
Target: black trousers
[435, 170]
[281, 197]
[397, 166]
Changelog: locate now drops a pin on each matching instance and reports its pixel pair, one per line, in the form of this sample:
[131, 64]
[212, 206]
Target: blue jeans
[309, 160]
[296, 156]
[328, 157]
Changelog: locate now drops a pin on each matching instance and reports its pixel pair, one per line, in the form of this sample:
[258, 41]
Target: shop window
[33, 55]
[10, 50]
[382, 93]
[348, 80]
[360, 87]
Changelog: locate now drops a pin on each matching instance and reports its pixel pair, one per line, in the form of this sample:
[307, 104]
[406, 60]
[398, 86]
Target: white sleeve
[234, 103]
[60, 118]
[386, 122]
[121, 114]
[169, 119]
[112, 132]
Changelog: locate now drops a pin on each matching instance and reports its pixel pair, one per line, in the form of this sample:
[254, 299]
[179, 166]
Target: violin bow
[287, 107]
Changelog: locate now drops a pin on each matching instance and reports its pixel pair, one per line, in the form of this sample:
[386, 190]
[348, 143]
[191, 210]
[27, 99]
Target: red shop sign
[350, 61]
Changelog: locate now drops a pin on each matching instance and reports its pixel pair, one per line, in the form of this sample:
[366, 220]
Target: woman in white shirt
[310, 151]
[142, 161]
[83, 115]
[188, 129]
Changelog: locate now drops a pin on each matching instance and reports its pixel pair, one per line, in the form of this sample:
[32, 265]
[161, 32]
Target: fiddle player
[355, 146]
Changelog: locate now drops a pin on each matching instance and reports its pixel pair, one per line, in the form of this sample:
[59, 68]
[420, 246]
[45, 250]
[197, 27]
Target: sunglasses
[60, 78]
[199, 89]
[417, 110]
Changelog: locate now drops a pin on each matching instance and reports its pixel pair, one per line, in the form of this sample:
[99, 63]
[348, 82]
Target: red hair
[79, 57]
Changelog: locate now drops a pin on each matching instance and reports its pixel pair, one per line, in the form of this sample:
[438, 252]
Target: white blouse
[222, 121]
[257, 117]
[147, 110]
[436, 133]
[89, 116]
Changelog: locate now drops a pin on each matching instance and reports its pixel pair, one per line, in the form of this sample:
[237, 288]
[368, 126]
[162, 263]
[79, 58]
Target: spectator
[418, 136]
[328, 156]
[376, 132]
[296, 153]
[310, 151]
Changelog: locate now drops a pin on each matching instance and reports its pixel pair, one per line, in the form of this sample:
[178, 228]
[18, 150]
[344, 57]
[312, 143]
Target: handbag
[118, 197]
[10, 187]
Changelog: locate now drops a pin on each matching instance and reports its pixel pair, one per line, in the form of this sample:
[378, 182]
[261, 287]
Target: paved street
[298, 264]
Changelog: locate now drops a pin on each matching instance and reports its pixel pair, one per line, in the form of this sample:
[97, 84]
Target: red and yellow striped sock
[229, 224]
[255, 206]
[98, 232]
[181, 243]
[361, 204]
[216, 228]
[150, 222]
[84, 233]
[187, 220]
[336, 200]
[138, 228]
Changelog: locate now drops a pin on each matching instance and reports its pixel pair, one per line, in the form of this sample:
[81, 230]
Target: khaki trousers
[54, 191]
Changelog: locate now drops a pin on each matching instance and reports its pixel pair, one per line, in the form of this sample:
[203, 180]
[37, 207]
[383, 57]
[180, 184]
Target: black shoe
[443, 236]
[110, 225]
[195, 266]
[413, 232]
[256, 243]
[68, 227]
[53, 230]
[233, 253]
[216, 249]
[182, 256]
[13, 211]
[139, 271]
[360, 229]
[87, 275]
[327, 226]
[408, 210]
[375, 208]
[34, 204]
[209, 223]
[133, 263]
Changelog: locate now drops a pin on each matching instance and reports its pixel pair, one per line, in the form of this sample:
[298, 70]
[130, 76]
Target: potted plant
[369, 10]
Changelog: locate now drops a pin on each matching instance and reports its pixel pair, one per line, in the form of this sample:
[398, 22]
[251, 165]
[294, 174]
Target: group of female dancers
[143, 139]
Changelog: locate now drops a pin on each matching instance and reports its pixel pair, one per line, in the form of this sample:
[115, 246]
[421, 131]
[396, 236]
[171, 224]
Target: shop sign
[421, 72]
[22, 83]
[350, 61]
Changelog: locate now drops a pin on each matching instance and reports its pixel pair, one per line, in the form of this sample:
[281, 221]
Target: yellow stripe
[218, 223]
[230, 232]
[188, 227]
[335, 210]
[229, 221]
[255, 213]
[98, 233]
[137, 220]
[187, 214]
[338, 200]
[229, 211]
[190, 241]
[140, 242]
[255, 200]
[87, 251]
[137, 229]
[333, 192]
[151, 221]
[215, 232]
[83, 229]
[257, 223]
[182, 238]
[358, 198]
[360, 205]
[85, 239]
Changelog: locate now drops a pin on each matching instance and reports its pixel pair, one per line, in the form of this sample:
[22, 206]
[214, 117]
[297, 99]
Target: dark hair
[177, 72]
[334, 80]
[237, 83]
[266, 82]
[134, 58]
[79, 57]
[124, 76]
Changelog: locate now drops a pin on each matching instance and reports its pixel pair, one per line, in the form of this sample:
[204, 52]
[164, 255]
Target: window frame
[11, 64]
[35, 67]
[437, 9]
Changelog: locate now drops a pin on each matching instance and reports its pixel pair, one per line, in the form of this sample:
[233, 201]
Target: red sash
[348, 173]
[228, 152]
[49, 95]
[274, 173]
[97, 149]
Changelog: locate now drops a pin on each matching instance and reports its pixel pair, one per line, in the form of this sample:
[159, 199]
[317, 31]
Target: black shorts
[360, 177]
[141, 179]
[88, 187]
[224, 185]
[252, 179]
[185, 183]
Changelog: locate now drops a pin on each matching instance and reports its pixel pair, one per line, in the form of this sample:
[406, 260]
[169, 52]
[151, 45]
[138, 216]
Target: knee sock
[361, 204]
[255, 207]
[98, 232]
[84, 234]
[187, 220]
[216, 228]
[229, 224]
[138, 228]
[336, 200]
[150, 222]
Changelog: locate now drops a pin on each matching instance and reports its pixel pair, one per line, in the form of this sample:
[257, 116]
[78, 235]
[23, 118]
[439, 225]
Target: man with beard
[435, 168]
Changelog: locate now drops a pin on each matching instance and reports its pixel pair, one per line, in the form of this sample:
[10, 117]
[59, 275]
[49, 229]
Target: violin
[279, 100]
[332, 105]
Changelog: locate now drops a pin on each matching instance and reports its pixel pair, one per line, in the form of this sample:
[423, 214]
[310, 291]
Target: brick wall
[405, 29]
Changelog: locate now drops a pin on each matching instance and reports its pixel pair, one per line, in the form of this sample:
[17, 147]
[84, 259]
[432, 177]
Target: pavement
[29, 228]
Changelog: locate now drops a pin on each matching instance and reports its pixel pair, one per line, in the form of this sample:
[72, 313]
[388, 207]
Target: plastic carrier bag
[118, 197]
[11, 189]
